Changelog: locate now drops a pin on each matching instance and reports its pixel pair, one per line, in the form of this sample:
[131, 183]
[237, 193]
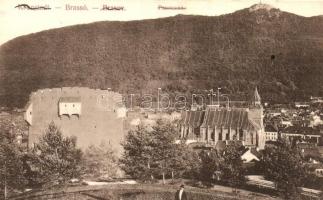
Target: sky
[15, 22]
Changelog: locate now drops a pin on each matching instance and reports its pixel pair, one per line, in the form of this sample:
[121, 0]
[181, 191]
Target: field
[139, 192]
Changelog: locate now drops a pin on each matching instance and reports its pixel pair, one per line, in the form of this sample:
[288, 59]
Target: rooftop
[301, 130]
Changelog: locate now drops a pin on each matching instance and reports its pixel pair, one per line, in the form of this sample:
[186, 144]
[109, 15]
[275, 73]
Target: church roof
[235, 118]
[192, 118]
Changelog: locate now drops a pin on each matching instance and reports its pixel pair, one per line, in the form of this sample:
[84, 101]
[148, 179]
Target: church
[223, 124]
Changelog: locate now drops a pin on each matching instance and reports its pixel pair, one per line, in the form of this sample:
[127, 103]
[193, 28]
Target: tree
[210, 164]
[231, 167]
[284, 165]
[185, 162]
[166, 153]
[154, 153]
[55, 158]
[11, 168]
[137, 156]
[101, 162]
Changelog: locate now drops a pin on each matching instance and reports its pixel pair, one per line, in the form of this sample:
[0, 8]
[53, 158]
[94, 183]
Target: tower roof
[257, 98]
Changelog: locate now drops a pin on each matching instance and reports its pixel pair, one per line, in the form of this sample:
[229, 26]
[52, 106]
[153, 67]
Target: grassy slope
[139, 192]
[278, 51]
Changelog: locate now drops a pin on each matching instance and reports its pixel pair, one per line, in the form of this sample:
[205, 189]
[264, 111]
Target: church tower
[256, 98]
[256, 113]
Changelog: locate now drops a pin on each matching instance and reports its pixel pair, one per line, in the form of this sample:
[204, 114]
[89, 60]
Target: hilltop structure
[92, 115]
[217, 124]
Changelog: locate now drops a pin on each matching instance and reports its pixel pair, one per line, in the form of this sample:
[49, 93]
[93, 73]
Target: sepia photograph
[161, 99]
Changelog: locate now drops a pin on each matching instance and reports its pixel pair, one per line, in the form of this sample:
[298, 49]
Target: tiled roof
[192, 118]
[234, 118]
[270, 128]
[70, 99]
[301, 130]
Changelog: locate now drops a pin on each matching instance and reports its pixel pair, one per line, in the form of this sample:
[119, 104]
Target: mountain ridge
[278, 53]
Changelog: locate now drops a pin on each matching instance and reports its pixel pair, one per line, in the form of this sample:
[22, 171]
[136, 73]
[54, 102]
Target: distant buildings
[93, 116]
[317, 99]
[215, 125]
[302, 104]
[299, 133]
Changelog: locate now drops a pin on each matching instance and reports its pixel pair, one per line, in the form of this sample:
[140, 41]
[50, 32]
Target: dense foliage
[101, 162]
[284, 164]
[232, 169]
[54, 159]
[12, 173]
[280, 52]
[223, 165]
[210, 165]
[151, 153]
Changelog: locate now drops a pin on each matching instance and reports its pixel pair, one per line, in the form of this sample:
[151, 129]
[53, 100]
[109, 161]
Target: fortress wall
[97, 123]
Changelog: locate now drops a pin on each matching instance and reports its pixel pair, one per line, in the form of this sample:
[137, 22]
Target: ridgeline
[279, 52]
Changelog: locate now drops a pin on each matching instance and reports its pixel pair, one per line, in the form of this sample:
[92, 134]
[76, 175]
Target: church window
[220, 134]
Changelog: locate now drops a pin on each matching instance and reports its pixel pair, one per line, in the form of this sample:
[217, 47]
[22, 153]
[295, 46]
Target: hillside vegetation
[279, 52]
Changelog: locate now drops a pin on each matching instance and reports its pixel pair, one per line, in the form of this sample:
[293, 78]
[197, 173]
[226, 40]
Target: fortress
[92, 115]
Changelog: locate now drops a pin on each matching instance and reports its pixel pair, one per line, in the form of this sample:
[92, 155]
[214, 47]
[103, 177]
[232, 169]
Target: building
[92, 115]
[225, 124]
[317, 99]
[271, 133]
[302, 104]
[250, 155]
[301, 133]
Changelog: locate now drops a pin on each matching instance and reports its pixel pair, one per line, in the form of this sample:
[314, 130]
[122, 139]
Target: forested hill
[280, 52]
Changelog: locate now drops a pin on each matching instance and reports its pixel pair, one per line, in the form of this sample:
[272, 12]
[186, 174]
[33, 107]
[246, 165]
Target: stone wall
[98, 122]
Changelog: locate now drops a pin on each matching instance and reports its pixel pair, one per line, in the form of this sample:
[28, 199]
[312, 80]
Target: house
[250, 155]
[271, 133]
